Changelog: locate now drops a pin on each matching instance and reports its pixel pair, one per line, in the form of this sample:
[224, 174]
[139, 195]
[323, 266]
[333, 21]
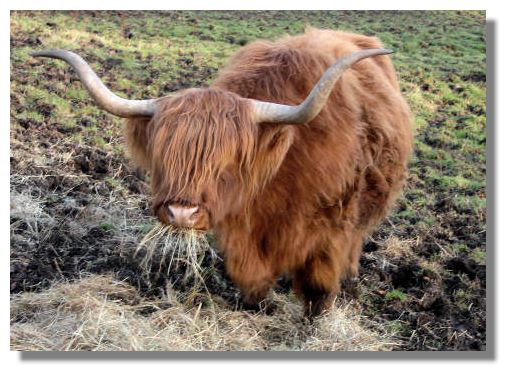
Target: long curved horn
[101, 94]
[312, 105]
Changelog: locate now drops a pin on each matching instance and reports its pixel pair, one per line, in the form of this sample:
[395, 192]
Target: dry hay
[175, 247]
[100, 313]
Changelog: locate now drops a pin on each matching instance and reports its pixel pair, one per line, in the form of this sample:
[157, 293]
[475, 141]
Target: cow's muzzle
[188, 216]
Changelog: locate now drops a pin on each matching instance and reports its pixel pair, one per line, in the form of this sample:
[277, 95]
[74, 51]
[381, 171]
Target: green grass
[395, 295]
[107, 226]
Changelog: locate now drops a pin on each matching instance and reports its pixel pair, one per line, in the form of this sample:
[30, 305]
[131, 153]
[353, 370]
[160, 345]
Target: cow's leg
[252, 276]
[354, 256]
[255, 297]
[350, 277]
[318, 281]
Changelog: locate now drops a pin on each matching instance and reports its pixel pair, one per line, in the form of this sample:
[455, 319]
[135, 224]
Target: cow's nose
[182, 216]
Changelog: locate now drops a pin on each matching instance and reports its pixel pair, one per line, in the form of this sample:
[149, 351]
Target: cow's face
[202, 205]
[203, 148]
[209, 157]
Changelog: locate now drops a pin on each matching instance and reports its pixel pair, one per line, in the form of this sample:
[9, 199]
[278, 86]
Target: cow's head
[205, 148]
[202, 149]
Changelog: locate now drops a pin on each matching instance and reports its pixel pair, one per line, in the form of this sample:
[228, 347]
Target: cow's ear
[273, 145]
[137, 141]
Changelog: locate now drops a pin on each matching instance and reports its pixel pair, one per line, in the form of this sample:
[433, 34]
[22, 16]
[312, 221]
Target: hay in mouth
[177, 248]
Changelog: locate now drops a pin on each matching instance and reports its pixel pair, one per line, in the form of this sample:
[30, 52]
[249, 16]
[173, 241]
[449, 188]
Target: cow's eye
[224, 178]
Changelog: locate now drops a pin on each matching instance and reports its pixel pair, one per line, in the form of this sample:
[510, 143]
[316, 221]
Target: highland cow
[291, 157]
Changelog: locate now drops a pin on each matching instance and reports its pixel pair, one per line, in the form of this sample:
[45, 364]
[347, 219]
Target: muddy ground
[79, 207]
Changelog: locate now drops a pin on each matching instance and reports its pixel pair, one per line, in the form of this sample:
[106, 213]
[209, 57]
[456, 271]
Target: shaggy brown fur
[294, 200]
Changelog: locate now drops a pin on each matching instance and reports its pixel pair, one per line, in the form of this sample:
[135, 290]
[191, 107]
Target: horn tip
[42, 53]
[387, 51]
[52, 52]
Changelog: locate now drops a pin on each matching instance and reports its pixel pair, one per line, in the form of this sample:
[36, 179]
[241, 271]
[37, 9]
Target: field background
[79, 207]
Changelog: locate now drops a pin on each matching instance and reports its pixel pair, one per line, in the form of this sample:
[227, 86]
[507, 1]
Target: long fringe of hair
[196, 135]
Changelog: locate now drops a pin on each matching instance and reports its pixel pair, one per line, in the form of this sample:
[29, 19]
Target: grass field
[79, 208]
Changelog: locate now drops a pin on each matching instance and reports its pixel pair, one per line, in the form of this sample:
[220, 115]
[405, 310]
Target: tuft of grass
[107, 226]
[395, 295]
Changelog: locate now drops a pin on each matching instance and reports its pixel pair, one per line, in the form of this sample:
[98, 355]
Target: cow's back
[345, 167]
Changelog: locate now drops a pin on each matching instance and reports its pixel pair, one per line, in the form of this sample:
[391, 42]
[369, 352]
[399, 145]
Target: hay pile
[100, 313]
